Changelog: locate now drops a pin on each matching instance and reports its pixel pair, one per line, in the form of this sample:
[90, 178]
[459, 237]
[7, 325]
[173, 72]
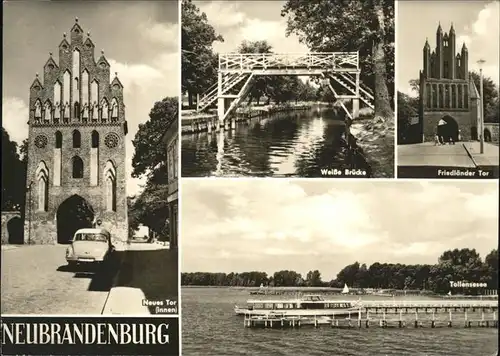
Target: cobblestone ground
[36, 280]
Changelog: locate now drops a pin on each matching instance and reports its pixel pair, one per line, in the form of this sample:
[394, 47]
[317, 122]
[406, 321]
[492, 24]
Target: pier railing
[429, 304]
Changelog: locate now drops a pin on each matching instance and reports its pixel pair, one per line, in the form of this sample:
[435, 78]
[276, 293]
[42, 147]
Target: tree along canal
[294, 144]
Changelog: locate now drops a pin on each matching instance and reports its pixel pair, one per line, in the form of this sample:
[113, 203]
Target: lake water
[210, 327]
[299, 143]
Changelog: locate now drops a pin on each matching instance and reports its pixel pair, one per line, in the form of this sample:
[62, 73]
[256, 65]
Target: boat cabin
[306, 302]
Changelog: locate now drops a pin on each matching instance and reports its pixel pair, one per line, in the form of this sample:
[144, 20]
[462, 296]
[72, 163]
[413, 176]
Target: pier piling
[484, 317]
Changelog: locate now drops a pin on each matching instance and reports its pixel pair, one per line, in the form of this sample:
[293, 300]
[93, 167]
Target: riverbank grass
[376, 138]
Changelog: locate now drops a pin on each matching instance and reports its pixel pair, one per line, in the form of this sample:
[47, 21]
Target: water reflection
[286, 144]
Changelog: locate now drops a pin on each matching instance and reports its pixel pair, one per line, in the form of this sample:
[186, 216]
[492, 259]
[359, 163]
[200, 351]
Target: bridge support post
[355, 101]
[220, 101]
[355, 108]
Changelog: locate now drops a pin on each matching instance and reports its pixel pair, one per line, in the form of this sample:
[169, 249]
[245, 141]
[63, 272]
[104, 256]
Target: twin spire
[440, 32]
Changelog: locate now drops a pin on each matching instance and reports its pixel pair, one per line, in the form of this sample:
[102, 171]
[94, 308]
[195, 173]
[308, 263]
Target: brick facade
[12, 227]
[446, 91]
[491, 131]
[100, 130]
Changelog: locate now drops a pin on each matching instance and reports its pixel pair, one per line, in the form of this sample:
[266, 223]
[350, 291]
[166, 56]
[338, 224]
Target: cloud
[237, 26]
[223, 14]
[15, 115]
[484, 18]
[273, 224]
[135, 74]
[144, 84]
[160, 33]
[483, 41]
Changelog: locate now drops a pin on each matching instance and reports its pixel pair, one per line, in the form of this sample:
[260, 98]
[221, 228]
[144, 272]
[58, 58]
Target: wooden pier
[421, 314]
[380, 320]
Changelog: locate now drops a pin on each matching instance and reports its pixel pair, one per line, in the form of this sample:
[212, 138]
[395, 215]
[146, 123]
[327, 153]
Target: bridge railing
[312, 60]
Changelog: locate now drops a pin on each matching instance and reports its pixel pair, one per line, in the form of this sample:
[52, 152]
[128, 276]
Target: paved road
[427, 154]
[36, 280]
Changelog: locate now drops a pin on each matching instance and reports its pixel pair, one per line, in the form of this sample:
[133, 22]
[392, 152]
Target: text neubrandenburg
[84, 333]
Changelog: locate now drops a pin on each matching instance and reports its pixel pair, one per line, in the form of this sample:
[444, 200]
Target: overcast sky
[237, 21]
[475, 23]
[272, 224]
[140, 40]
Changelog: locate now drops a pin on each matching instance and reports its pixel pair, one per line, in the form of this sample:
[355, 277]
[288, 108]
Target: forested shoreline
[453, 265]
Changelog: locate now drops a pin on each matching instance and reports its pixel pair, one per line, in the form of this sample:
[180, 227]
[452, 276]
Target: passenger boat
[307, 305]
[261, 291]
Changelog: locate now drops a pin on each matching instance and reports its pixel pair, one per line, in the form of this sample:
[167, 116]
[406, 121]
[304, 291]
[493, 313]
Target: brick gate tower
[76, 149]
[449, 100]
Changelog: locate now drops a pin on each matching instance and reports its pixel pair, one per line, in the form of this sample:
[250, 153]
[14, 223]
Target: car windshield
[91, 237]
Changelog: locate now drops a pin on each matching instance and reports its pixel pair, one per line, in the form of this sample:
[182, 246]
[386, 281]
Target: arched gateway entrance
[74, 213]
[487, 135]
[15, 228]
[448, 129]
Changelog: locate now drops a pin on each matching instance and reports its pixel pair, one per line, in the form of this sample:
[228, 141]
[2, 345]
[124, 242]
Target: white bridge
[237, 70]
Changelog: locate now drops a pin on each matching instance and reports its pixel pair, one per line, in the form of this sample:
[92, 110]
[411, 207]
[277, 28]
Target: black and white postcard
[306, 267]
[89, 169]
[447, 89]
[288, 89]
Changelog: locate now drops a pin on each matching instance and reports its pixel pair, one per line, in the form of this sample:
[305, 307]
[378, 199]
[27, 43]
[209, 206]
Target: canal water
[210, 327]
[299, 144]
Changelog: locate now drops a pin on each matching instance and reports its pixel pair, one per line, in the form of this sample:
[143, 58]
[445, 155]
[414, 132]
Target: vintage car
[89, 246]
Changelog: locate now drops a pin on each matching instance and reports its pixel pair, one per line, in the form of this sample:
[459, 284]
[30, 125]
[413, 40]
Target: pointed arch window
[76, 76]
[77, 164]
[110, 186]
[66, 87]
[85, 87]
[94, 92]
[76, 110]
[428, 89]
[59, 139]
[460, 98]
[466, 96]
[434, 96]
[95, 139]
[42, 178]
[94, 98]
[57, 92]
[77, 139]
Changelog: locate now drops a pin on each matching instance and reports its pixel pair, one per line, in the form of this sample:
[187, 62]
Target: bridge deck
[321, 62]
